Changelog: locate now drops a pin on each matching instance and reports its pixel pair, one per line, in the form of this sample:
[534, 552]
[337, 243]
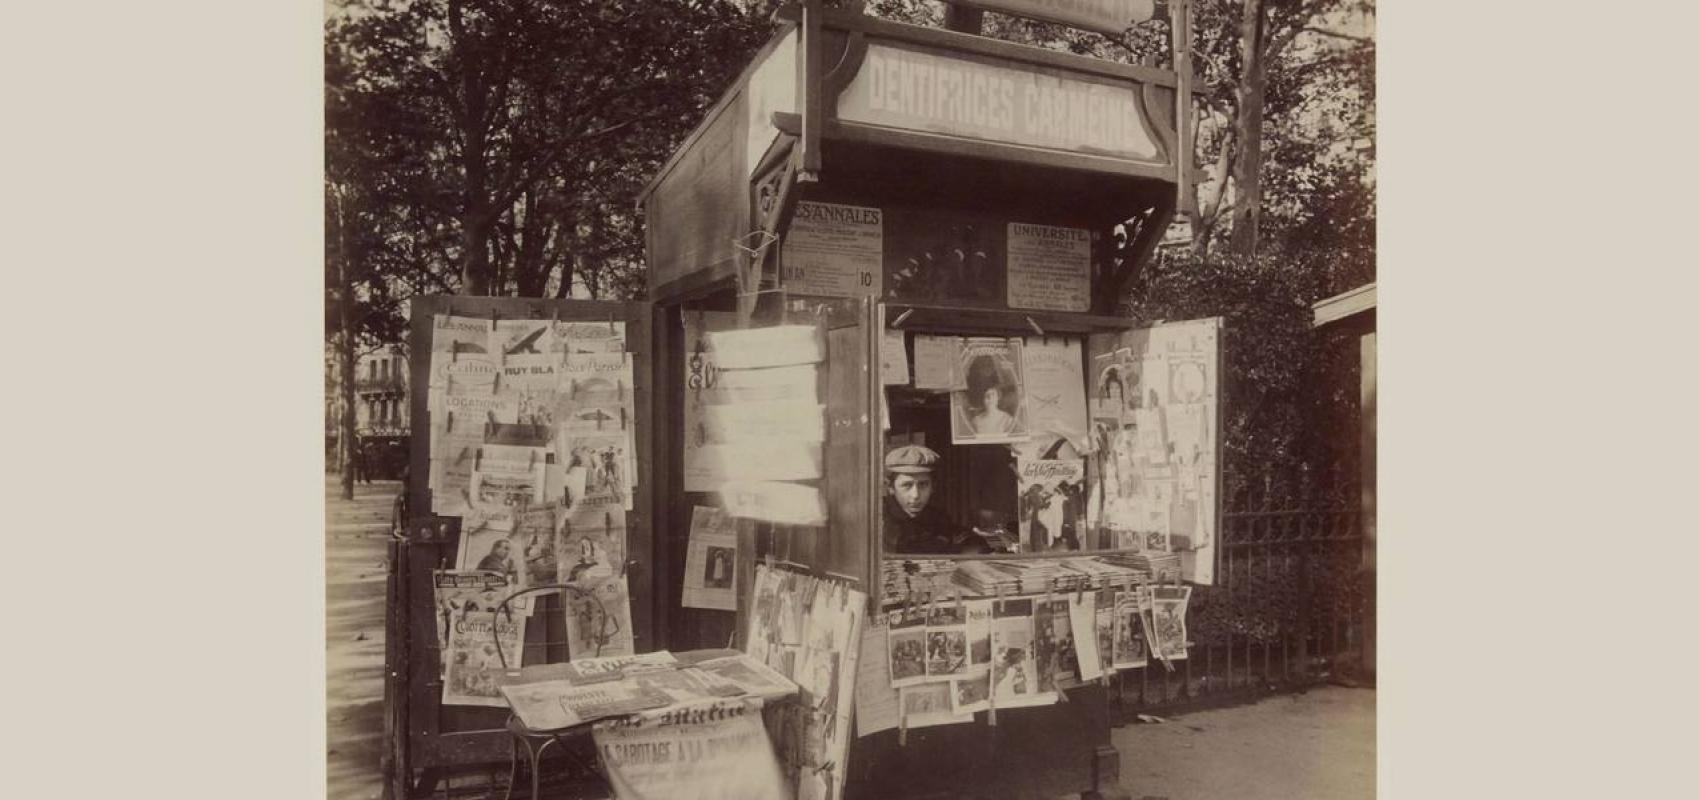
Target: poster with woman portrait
[987, 408]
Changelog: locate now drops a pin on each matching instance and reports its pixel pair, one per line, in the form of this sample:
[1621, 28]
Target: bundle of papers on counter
[556, 696]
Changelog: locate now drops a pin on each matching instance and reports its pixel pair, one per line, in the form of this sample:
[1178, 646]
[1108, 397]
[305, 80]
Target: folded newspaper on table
[592, 689]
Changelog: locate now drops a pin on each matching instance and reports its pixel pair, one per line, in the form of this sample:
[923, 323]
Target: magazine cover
[929, 704]
[988, 409]
[979, 636]
[1015, 681]
[711, 561]
[971, 694]
[1053, 646]
[588, 337]
[508, 476]
[1168, 617]
[906, 636]
[1105, 625]
[599, 619]
[1052, 500]
[1083, 627]
[947, 641]
[475, 666]
[461, 593]
[590, 544]
[485, 544]
[1055, 388]
[453, 453]
[1129, 634]
[533, 543]
[606, 461]
[594, 392]
[519, 337]
[531, 379]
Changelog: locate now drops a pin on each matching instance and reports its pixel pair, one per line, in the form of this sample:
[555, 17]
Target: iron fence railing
[1289, 609]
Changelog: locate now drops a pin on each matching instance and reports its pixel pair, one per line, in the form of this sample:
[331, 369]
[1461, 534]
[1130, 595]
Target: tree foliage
[515, 134]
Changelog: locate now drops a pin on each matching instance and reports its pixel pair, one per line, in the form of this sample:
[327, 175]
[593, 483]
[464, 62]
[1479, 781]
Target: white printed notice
[1049, 268]
[833, 250]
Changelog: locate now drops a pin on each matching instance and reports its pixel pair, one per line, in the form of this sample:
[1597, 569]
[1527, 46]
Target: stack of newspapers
[562, 695]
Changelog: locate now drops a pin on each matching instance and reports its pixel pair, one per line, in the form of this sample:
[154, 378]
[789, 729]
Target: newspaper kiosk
[893, 186]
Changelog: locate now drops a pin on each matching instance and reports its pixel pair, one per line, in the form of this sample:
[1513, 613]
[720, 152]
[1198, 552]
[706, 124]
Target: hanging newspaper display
[1154, 408]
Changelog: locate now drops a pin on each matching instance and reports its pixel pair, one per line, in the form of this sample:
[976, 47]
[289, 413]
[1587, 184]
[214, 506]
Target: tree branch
[1336, 34]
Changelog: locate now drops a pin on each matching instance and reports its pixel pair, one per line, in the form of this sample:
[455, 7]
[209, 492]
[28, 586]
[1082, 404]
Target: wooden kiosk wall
[429, 739]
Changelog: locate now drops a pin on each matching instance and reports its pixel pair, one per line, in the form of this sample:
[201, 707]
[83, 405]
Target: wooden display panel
[438, 736]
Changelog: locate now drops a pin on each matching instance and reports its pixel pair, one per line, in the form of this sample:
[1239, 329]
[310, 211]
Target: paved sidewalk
[356, 534]
[1319, 745]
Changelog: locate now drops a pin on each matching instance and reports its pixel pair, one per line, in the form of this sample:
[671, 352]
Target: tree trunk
[345, 353]
[475, 255]
[1248, 184]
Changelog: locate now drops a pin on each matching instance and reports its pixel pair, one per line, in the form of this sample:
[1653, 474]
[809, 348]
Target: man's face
[500, 548]
[912, 492]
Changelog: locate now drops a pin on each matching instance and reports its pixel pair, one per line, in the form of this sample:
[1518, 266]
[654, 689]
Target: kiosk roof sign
[1104, 16]
[957, 95]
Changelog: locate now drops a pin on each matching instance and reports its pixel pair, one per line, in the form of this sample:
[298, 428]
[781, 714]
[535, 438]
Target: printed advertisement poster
[469, 593]
[833, 250]
[703, 753]
[471, 678]
[599, 619]
[1050, 268]
[988, 409]
[711, 561]
[1052, 503]
[591, 544]
[1055, 388]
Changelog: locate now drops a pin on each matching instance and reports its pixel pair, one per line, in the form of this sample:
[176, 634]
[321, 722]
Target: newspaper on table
[592, 669]
[555, 704]
[704, 752]
[473, 673]
[711, 561]
[750, 676]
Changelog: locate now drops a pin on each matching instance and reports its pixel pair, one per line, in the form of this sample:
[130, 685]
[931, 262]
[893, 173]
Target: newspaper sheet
[935, 362]
[776, 346]
[588, 337]
[700, 379]
[1015, 681]
[591, 545]
[710, 752]
[1168, 617]
[599, 619]
[1083, 627]
[928, 705]
[876, 701]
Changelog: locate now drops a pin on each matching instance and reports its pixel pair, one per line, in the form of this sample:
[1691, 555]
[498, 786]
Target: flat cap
[911, 458]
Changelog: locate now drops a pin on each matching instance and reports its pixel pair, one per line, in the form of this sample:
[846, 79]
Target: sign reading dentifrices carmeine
[1105, 16]
[912, 89]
